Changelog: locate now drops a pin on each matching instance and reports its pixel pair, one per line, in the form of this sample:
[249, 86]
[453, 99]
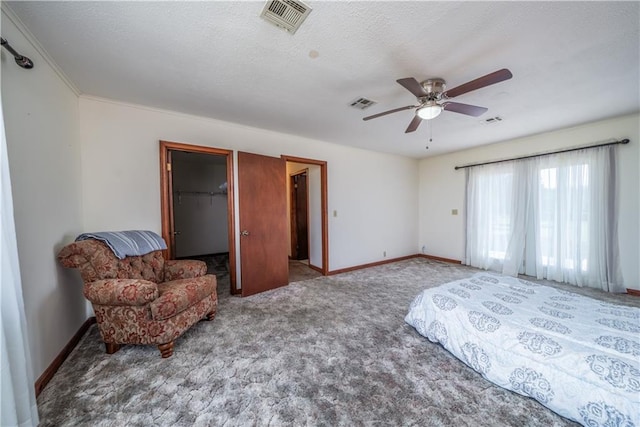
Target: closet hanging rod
[622, 141]
[201, 193]
[22, 61]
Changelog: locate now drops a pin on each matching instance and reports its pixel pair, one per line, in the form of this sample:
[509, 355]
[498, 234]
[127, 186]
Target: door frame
[323, 208]
[166, 198]
[292, 212]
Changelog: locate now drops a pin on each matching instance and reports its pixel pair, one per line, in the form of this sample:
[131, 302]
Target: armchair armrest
[176, 269]
[121, 292]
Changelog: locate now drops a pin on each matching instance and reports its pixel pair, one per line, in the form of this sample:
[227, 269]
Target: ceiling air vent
[362, 103]
[286, 14]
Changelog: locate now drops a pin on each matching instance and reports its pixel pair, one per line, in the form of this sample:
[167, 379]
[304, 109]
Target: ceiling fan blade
[414, 124]
[480, 82]
[384, 113]
[469, 110]
[412, 86]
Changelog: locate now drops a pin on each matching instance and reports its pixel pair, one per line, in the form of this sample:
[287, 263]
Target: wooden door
[262, 204]
[299, 216]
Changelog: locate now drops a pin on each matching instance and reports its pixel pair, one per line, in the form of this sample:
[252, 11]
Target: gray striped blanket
[128, 243]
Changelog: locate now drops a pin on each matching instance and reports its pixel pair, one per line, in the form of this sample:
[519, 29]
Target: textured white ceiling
[572, 62]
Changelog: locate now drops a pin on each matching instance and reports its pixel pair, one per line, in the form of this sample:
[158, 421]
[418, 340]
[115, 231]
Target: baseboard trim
[318, 269]
[59, 360]
[634, 292]
[437, 258]
[371, 264]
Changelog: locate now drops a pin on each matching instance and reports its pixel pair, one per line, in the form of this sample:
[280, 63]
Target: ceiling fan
[432, 97]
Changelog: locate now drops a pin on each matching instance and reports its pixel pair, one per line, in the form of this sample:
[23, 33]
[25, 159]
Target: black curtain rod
[622, 141]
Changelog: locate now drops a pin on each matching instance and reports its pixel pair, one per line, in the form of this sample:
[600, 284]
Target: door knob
[176, 233]
[244, 233]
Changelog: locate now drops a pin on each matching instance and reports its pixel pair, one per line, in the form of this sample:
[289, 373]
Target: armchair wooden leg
[112, 347]
[166, 350]
[211, 315]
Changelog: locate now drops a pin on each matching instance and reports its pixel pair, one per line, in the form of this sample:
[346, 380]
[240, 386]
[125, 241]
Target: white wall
[442, 188]
[374, 194]
[41, 119]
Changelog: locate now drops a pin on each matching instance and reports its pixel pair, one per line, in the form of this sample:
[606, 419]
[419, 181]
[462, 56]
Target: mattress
[578, 356]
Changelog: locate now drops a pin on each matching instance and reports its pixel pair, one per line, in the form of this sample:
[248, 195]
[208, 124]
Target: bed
[578, 356]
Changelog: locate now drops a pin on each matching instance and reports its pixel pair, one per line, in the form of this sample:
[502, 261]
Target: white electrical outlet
[424, 249]
[384, 254]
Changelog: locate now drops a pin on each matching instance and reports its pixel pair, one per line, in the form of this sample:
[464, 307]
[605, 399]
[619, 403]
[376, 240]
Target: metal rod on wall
[623, 141]
[22, 61]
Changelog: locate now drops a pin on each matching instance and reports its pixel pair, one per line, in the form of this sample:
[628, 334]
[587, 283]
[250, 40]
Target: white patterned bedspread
[578, 356]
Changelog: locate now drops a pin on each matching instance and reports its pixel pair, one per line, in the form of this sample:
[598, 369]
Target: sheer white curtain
[17, 398]
[561, 216]
[489, 214]
[576, 231]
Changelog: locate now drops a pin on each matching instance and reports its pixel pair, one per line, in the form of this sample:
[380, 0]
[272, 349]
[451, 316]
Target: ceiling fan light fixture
[431, 110]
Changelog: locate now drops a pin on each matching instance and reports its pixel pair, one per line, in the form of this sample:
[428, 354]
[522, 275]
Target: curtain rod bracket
[622, 141]
[22, 61]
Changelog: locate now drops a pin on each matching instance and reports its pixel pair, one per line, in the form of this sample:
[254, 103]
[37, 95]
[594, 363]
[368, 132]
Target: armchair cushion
[121, 292]
[178, 295]
[176, 269]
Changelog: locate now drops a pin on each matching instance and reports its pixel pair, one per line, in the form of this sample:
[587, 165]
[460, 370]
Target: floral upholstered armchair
[142, 299]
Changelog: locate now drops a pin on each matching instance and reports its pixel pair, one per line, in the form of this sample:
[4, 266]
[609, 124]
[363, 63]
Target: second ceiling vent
[286, 14]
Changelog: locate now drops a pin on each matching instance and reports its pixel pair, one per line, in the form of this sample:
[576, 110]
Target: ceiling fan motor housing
[434, 88]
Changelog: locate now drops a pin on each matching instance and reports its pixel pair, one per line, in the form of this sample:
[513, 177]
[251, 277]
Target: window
[551, 216]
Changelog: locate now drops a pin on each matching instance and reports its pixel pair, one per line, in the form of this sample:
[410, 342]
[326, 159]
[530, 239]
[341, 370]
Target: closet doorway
[197, 207]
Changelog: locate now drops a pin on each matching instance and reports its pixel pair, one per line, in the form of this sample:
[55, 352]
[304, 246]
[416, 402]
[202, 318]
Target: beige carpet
[299, 271]
[330, 351]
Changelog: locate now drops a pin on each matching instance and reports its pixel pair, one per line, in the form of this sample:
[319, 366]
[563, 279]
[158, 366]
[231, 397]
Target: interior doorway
[197, 206]
[299, 215]
[308, 206]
